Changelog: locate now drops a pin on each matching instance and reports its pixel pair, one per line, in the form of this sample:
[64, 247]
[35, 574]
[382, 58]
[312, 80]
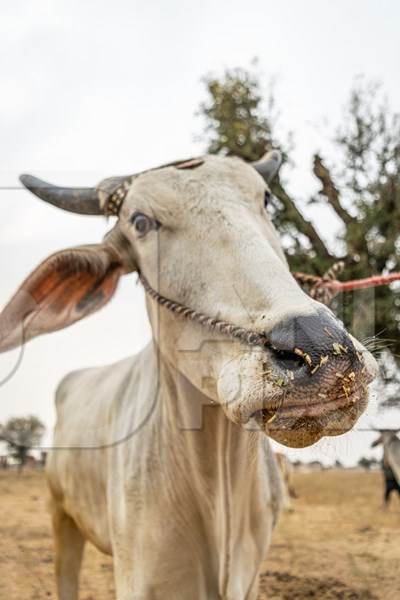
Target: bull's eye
[267, 198]
[143, 224]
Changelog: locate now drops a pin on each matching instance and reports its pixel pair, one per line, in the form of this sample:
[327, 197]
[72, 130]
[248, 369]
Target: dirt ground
[336, 544]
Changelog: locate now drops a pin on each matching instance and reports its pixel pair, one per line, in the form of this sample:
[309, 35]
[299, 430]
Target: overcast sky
[91, 89]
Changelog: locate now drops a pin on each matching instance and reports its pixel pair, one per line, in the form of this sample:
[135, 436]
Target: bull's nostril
[307, 341]
[288, 360]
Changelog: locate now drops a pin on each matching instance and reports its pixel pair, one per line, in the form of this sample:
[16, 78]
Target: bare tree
[21, 434]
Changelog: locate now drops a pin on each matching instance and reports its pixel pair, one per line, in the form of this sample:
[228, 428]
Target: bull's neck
[195, 421]
[222, 469]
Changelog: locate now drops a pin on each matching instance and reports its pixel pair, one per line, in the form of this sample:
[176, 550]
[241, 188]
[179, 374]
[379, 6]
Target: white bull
[161, 459]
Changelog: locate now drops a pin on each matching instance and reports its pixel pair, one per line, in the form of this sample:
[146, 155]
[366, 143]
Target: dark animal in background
[390, 462]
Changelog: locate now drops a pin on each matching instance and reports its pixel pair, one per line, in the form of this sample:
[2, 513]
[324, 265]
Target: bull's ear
[65, 288]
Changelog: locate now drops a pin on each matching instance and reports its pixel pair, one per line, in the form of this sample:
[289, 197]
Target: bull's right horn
[84, 201]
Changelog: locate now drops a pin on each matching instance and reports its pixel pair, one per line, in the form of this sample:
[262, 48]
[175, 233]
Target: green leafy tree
[21, 434]
[235, 122]
[364, 193]
[369, 184]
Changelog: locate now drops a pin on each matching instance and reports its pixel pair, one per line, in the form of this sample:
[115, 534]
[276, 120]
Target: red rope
[358, 284]
[325, 288]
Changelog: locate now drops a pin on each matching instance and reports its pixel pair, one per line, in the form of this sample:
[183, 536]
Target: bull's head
[200, 234]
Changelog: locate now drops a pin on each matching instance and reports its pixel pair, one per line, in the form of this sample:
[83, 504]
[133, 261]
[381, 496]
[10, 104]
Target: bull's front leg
[68, 548]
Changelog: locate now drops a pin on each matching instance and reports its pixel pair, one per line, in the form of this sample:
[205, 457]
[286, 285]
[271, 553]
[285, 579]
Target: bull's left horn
[268, 165]
[84, 201]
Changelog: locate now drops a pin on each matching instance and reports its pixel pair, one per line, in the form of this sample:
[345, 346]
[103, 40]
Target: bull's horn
[84, 201]
[268, 165]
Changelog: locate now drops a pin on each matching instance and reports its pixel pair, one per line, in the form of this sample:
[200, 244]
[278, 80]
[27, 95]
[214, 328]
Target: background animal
[390, 461]
[287, 470]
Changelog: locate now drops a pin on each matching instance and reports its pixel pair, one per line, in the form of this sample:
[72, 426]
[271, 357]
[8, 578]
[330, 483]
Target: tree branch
[330, 191]
[305, 227]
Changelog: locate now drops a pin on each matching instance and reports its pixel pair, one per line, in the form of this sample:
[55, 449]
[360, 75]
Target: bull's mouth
[314, 408]
[299, 417]
[300, 426]
[297, 402]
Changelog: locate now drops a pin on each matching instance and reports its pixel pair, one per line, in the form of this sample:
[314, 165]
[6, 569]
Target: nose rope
[322, 288]
[252, 338]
